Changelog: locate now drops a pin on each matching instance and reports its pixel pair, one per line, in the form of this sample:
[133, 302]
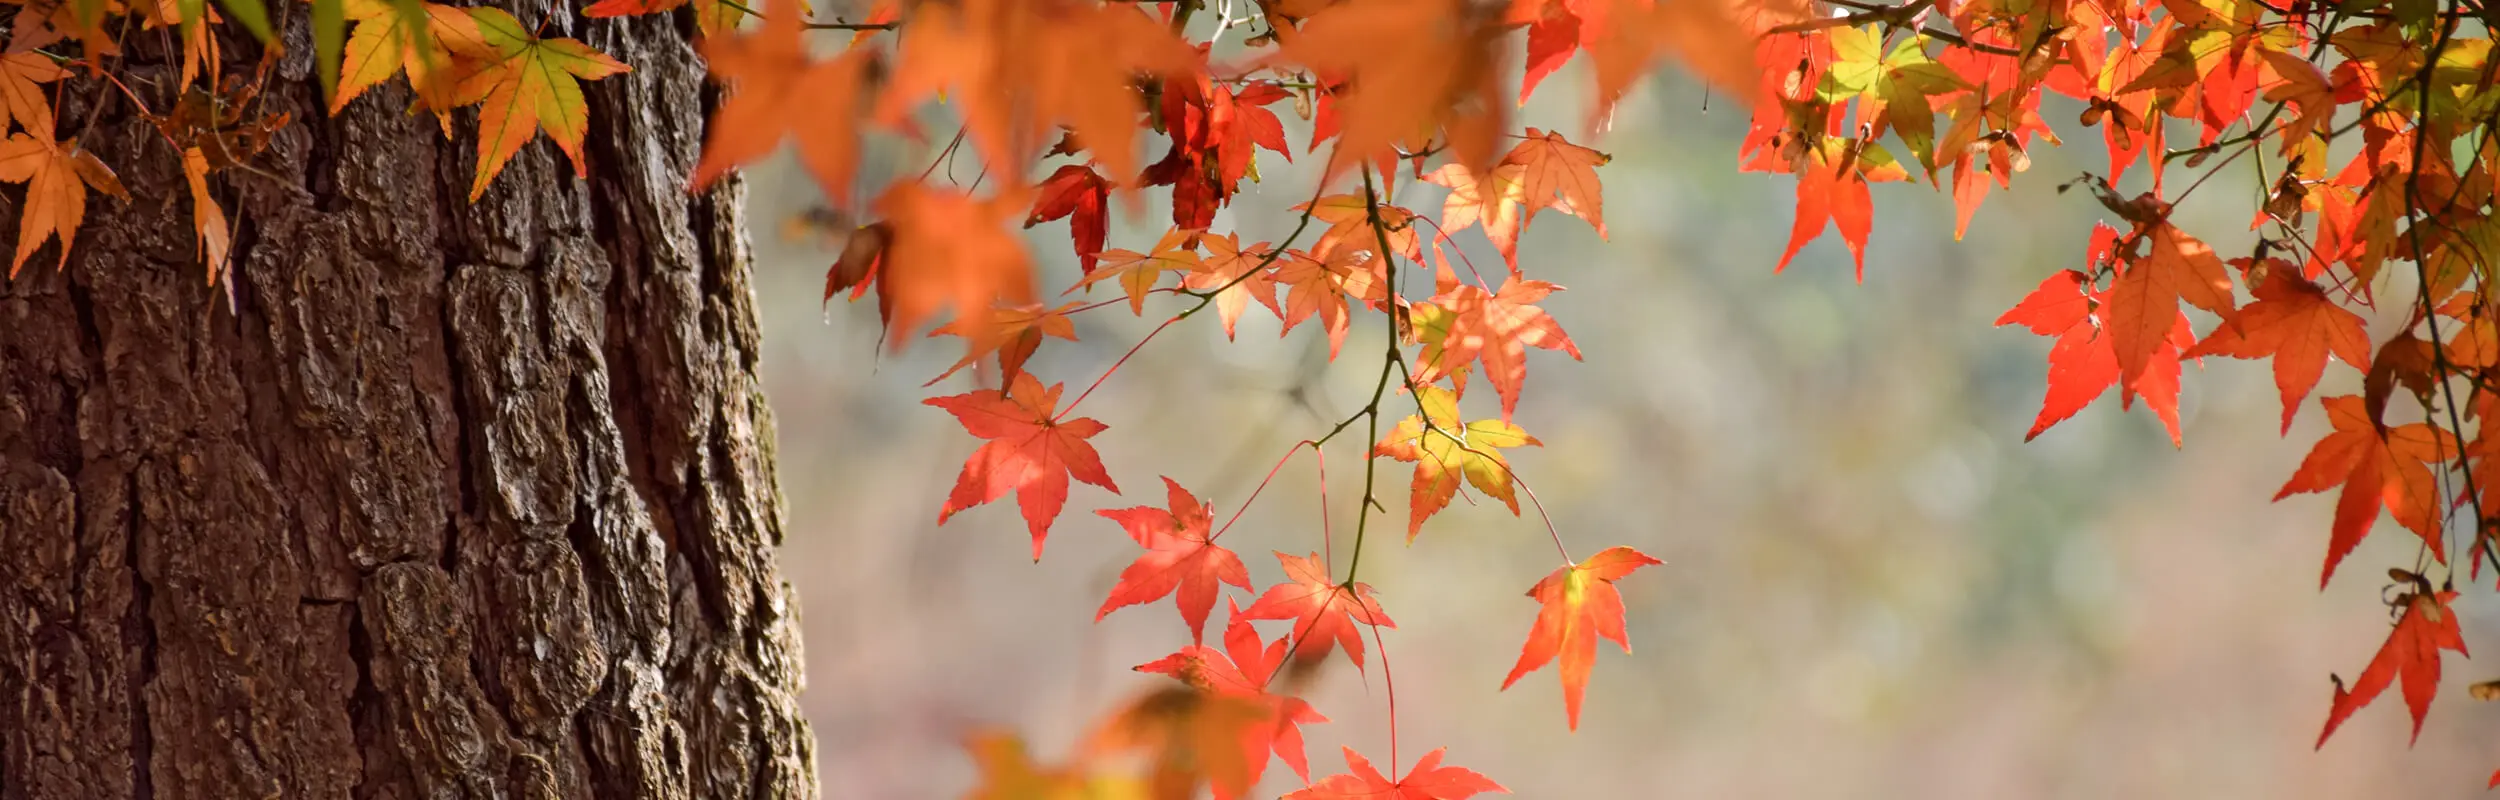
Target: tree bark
[460, 500]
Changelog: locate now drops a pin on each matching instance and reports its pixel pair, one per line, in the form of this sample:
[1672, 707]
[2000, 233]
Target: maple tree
[1400, 94]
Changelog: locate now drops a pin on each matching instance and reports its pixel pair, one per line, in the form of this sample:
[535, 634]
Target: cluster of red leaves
[1959, 85]
[1835, 94]
[1379, 82]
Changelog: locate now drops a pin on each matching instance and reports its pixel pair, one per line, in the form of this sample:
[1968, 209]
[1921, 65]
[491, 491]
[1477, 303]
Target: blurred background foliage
[1873, 588]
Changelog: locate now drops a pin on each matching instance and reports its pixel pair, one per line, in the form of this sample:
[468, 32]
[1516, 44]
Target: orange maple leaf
[1832, 190]
[948, 249]
[1580, 604]
[1181, 560]
[208, 220]
[1029, 452]
[1413, 67]
[1242, 670]
[56, 179]
[1324, 612]
[2295, 322]
[1497, 328]
[1321, 287]
[20, 98]
[1492, 198]
[1008, 773]
[2302, 85]
[1236, 275]
[422, 41]
[1020, 67]
[2411, 653]
[779, 89]
[1139, 272]
[1427, 781]
[1012, 333]
[529, 83]
[2145, 298]
[2377, 468]
[1558, 174]
[711, 17]
[1446, 449]
[1189, 736]
[1622, 37]
[1349, 218]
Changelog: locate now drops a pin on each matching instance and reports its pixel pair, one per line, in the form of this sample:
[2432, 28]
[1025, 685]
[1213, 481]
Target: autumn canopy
[2369, 126]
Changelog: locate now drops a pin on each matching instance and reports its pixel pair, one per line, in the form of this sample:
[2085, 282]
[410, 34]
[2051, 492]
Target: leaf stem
[1388, 684]
[2484, 534]
[1254, 493]
[1115, 367]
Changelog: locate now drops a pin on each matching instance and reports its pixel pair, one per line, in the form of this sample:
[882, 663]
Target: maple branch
[2485, 536]
[1507, 471]
[1117, 300]
[1901, 17]
[851, 26]
[1393, 358]
[1308, 208]
[946, 154]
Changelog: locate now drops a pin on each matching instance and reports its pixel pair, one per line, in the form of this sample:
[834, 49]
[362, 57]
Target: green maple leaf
[1898, 83]
[529, 83]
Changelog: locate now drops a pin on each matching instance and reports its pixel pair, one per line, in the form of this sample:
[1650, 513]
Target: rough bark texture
[463, 500]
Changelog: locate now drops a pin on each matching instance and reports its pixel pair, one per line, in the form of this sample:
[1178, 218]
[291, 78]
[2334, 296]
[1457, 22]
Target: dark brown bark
[462, 500]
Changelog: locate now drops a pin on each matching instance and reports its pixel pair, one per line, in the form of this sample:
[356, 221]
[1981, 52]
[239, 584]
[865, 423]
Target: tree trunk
[462, 500]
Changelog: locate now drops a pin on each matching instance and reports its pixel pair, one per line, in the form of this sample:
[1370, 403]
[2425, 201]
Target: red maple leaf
[1832, 190]
[2144, 300]
[1181, 560]
[1078, 194]
[1553, 37]
[1028, 452]
[1580, 604]
[2083, 364]
[2376, 467]
[2295, 322]
[1011, 333]
[1243, 669]
[1324, 613]
[1427, 781]
[2411, 653]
